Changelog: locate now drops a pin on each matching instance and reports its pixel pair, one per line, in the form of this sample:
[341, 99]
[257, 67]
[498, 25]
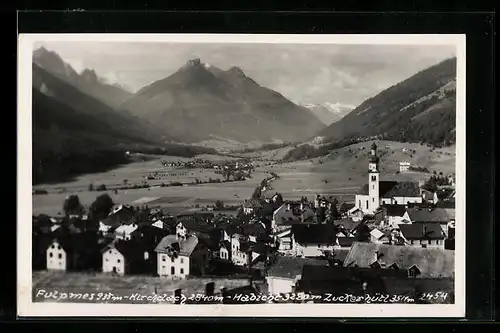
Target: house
[148, 234]
[284, 273]
[377, 236]
[284, 240]
[355, 213]
[124, 231]
[250, 206]
[429, 196]
[225, 250]
[166, 223]
[238, 249]
[313, 240]
[419, 262]
[291, 211]
[437, 216]
[404, 166]
[193, 225]
[377, 192]
[127, 257]
[345, 208]
[347, 227]
[120, 215]
[396, 215]
[340, 280]
[69, 251]
[424, 235]
[344, 242]
[178, 258]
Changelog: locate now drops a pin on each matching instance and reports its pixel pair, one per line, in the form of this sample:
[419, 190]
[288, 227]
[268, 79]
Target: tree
[219, 205]
[72, 205]
[101, 207]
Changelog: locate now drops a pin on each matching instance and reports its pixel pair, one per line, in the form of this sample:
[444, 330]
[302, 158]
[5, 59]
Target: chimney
[209, 288]
[178, 296]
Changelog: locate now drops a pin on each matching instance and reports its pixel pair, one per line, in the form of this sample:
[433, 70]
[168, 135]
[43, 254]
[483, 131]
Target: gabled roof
[421, 231]
[130, 249]
[377, 233]
[185, 247]
[390, 189]
[395, 210]
[347, 224]
[196, 225]
[428, 215]
[126, 229]
[314, 233]
[291, 267]
[431, 262]
[345, 241]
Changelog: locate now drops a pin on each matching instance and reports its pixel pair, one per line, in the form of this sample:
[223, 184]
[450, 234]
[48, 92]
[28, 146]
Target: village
[396, 238]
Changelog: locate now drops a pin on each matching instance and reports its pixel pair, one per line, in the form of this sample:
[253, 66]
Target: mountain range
[329, 113]
[421, 108]
[87, 81]
[202, 102]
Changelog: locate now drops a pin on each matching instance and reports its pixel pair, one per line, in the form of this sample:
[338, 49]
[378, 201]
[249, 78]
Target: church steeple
[373, 160]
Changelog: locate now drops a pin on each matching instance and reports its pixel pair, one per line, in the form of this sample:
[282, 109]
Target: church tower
[373, 180]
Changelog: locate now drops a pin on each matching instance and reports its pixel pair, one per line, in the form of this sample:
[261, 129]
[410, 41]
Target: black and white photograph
[241, 175]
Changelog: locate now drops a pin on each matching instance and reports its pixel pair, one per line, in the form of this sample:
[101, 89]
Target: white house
[113, 261]
[285, 272]
[396, 215]
[56, 257]
[377, 192]
[225, 250]
[404, 166]
[238, 253]
[178, 258]
[355, 213]
[124, 231]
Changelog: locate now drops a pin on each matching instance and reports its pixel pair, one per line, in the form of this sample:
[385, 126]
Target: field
[344, 170]
[339, 174]
[145, 285]
[174, 198]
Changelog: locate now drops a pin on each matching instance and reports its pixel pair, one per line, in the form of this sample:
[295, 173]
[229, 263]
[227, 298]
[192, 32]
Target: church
[377, 193]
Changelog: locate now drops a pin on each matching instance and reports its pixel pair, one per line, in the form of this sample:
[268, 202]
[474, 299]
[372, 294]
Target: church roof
[390, 189]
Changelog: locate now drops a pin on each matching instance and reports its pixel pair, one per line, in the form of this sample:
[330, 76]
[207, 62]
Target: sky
[304, 73]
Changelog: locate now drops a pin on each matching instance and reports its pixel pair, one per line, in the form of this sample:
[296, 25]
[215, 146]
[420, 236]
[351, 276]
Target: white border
[27, 308]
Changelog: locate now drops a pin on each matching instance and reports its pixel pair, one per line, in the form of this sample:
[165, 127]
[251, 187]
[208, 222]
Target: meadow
[340, 174]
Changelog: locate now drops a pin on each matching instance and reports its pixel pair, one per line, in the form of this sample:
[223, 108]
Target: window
[58, 247]
[163, 258]
[51, 254]
[60, 256]
[182, 260]
[182, 270]
[107, 259]
[118, 260]
[373, 199]
[373, 187]
[366, 204]
[172, 259]
[374, 178]
[172, 270]
[359, 204]
[53, 246]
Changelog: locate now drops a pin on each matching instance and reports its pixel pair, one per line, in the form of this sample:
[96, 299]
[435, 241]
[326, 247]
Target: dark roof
[446, 204]
[80, 242]
[395, 210]
[431, 262]
[390, 189]
[348, 206]
[314, 233]
[347, 224]
[428, 215]
[226, 244]
[130, 249]
[253, 229]
[418, 231]
[340, 254]
[184, 247]
[197, 225]
[291, 267]
[345, 241]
